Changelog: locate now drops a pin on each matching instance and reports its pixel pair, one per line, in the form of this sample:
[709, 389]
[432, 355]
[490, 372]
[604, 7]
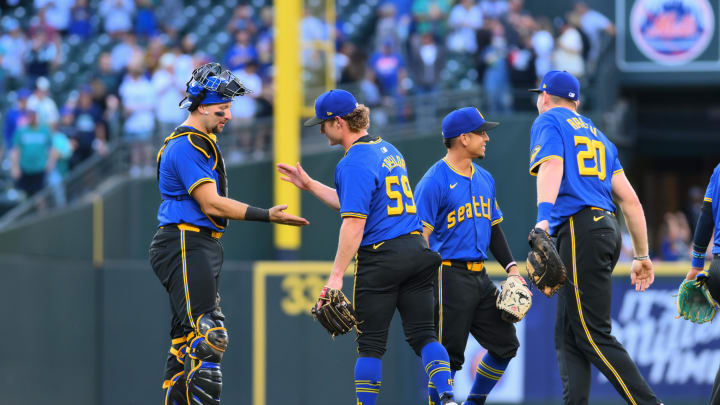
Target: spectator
[386, 28]
[543, 43]
[43, 104]
[138, 100]
[594, 25]
[169, 92]
[567, 54]
[39, 24]
[153, 52]
[430, 16]
[496, 77]
[117, 16]
[57, 13]
[241, 52]
[313, 28]
[89, 128]
[184, 62]
[30, 156]
[61, 150]
[105, 74]
[494, 9]
[15, 45]
[124, 52]
[242, 20]
[675, 237]
[244, 109]
[169, 15]
[80, 25]
[42, 56]
[428, 60]
[356, 66]
[145, 22]
[389, 70]
[465, 19]
[15, 117]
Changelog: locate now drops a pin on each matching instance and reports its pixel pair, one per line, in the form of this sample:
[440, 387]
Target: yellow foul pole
[286, 117]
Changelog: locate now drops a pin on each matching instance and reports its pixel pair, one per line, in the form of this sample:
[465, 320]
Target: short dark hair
[449, 142]
[562, 100]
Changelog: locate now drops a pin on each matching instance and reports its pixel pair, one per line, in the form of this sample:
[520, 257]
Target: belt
[176, 197]
[472, 266]
[602, 209]
[193, 228]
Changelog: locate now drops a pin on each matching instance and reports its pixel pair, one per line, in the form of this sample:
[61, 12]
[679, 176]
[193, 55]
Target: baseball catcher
[334, 312]
[545, 269]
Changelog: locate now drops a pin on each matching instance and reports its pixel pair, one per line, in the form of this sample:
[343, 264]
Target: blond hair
[359, 119]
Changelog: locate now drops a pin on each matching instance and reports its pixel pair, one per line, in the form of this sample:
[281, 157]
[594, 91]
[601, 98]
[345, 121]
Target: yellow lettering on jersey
[461, 213]
[483, 206]
[475, 207]
[451, 219]
[572, 124]
[468, 211]
[391, 162]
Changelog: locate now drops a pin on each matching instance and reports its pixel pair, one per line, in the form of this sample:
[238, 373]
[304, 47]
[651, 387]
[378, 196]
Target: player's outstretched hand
[295, 175]
[641, 274]
[279, 216]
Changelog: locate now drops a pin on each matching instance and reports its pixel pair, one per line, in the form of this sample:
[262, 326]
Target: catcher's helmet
[211, 84]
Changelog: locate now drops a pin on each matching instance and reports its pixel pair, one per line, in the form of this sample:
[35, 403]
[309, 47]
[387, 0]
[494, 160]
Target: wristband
[641, 257]
[510, 265]
[257, 214]
[697, 260]
[544, 209]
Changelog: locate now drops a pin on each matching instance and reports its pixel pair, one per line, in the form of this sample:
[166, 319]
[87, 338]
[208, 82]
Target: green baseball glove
[694, 301]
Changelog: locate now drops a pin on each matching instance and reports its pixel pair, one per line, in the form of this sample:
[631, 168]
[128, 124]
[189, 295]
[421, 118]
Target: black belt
[176, 197]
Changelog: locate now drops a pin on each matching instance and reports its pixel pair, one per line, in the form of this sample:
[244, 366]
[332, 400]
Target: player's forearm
[226, 208]
[702, 236]
[548, 180]
[351, 233]
[500, 249]
[327, 195]
[635, 221]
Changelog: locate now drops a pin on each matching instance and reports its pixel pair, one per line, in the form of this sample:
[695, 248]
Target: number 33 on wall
[591, 161]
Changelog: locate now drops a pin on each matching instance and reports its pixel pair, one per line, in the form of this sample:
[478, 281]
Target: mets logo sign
[672, 32]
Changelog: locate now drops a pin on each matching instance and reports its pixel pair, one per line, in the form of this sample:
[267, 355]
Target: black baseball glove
[544, 267]
[334, 312]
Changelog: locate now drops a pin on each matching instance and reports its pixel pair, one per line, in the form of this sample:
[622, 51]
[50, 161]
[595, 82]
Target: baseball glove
[544, 267]
[514, 300]
[694, 301]
[335, 313]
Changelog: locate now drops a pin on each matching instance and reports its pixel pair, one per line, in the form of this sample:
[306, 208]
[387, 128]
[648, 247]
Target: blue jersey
[460, 210]
[712, 195]
[589, 161]
[184, 165]
[372, 183]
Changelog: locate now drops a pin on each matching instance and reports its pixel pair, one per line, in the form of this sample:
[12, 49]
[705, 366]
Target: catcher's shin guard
[202, 363]
[174, 384]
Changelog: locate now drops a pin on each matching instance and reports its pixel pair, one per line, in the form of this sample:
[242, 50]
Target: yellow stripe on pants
[582, 319]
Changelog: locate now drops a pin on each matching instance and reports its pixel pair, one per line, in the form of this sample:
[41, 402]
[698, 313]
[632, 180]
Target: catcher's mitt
[544, 267]
[336, 314]
[694, 301]
[514, 300]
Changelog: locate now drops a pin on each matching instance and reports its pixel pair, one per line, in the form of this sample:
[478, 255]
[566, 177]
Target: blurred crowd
[134, 84]
[424, 46]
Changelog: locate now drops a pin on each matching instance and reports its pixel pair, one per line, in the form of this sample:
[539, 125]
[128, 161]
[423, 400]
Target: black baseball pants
[589, 244]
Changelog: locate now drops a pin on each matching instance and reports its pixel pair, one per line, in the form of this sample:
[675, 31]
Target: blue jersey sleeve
[712, 186]
[428, 198]
[545, 143]
[192, 167]
[616, 166]
[355, 186]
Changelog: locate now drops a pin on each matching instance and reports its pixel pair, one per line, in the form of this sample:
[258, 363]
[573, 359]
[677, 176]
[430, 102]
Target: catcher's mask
[211, 84]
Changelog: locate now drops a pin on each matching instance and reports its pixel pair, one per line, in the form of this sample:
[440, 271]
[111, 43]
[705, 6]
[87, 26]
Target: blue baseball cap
[464, 120]
[559, 83]
[331, 104]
